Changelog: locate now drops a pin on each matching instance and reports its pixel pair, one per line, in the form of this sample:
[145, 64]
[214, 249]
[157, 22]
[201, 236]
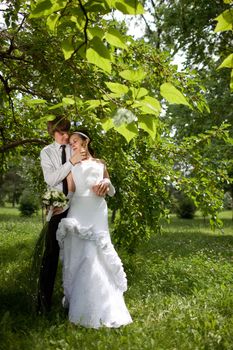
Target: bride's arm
[104, 186]
[107, 181]
[71, 185]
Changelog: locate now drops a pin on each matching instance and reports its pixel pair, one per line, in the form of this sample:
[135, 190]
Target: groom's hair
[60, 123]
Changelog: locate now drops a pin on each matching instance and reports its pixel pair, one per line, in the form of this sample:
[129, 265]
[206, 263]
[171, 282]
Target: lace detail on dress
[102, 240]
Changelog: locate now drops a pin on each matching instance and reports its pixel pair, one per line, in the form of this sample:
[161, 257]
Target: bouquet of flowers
[53, 198]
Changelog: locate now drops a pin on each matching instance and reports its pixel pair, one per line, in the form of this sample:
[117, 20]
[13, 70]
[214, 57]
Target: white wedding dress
[93, 275]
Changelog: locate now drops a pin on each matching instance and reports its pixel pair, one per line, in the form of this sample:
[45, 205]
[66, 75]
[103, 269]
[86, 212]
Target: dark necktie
[63, 160]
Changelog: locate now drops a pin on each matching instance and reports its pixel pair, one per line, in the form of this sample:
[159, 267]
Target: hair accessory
[81, 133]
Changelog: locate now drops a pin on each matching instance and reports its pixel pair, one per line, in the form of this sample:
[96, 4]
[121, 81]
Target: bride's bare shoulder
[97, 160]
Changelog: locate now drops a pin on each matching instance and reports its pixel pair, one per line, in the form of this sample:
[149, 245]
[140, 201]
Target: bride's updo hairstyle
[85, 136]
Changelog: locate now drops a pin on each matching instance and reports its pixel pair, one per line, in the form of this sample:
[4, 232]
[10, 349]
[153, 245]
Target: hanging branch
[87, 20]
[17, 143]
[11, 103]
[8, 90]
[147, 25]
[12, 46]
[84, 29]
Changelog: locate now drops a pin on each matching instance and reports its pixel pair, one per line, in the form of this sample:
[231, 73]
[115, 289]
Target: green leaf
[96, 6]
[100, 48]
[129, 7]
[58, 105]
[107, 124]
[99, 61]
[129, 131]
[47, 7]
[172, 94]
[149, 124]
[67, 48]
[49, 117]
[68, 101]
[227, 63]
[76, 17]
[114, 38]
[138, 93]
[96, 31]
[225, 21]
[110, 3]
[118, 89]
[133, 75]
[52, 21]
[230, 140]
[231, 81]
[92, 104]
[36, 101]
[99, 55]
[44, 119]
[40, 8]
[148, 105]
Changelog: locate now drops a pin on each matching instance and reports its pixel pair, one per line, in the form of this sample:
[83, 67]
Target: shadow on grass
[17, 293]
[189, 242]
[18, 315]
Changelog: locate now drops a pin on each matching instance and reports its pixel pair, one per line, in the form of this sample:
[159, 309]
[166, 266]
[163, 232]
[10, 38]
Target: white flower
[54, 198]
[123, 116]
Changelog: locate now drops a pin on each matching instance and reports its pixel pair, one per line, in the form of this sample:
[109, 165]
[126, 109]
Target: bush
[227, 203]
[29, 204]
[185, 207]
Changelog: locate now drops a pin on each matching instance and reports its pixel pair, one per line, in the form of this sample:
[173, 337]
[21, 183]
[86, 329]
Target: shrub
[185, 207]
[227, 203]
[29, 203]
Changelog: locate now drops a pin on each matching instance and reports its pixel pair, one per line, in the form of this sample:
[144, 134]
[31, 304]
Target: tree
[12, 186]
[192, 35]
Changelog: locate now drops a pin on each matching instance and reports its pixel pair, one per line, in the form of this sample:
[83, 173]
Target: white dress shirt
[53, 169]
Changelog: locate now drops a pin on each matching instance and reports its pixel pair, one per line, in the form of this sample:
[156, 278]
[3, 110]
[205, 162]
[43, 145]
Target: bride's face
[76, 143]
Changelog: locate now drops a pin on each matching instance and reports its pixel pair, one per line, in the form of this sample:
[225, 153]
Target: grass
[180, 292]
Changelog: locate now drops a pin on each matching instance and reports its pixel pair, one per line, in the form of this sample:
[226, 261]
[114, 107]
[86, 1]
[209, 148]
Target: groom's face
[61, 137]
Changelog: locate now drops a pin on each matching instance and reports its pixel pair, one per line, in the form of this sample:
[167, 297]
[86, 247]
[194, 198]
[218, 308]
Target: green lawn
[180, 292]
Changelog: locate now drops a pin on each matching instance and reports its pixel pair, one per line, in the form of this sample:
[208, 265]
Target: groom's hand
[57, 210]
[78, 156]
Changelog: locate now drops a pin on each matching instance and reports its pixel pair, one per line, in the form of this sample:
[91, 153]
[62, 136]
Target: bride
[93, 275]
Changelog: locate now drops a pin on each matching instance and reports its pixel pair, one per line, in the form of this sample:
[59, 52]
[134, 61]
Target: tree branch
[28, 91]
[7, 56]
[147, 25]
[12, 40]
[21, 142]
[5, 84]
[8, 90]
[87, 20]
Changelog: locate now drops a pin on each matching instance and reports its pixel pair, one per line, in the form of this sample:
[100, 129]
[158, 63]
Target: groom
[56, 163]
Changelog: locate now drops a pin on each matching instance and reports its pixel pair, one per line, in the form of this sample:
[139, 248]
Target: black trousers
[49, 265]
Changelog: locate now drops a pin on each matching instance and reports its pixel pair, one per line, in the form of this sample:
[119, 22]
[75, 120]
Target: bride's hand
[101, 189]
